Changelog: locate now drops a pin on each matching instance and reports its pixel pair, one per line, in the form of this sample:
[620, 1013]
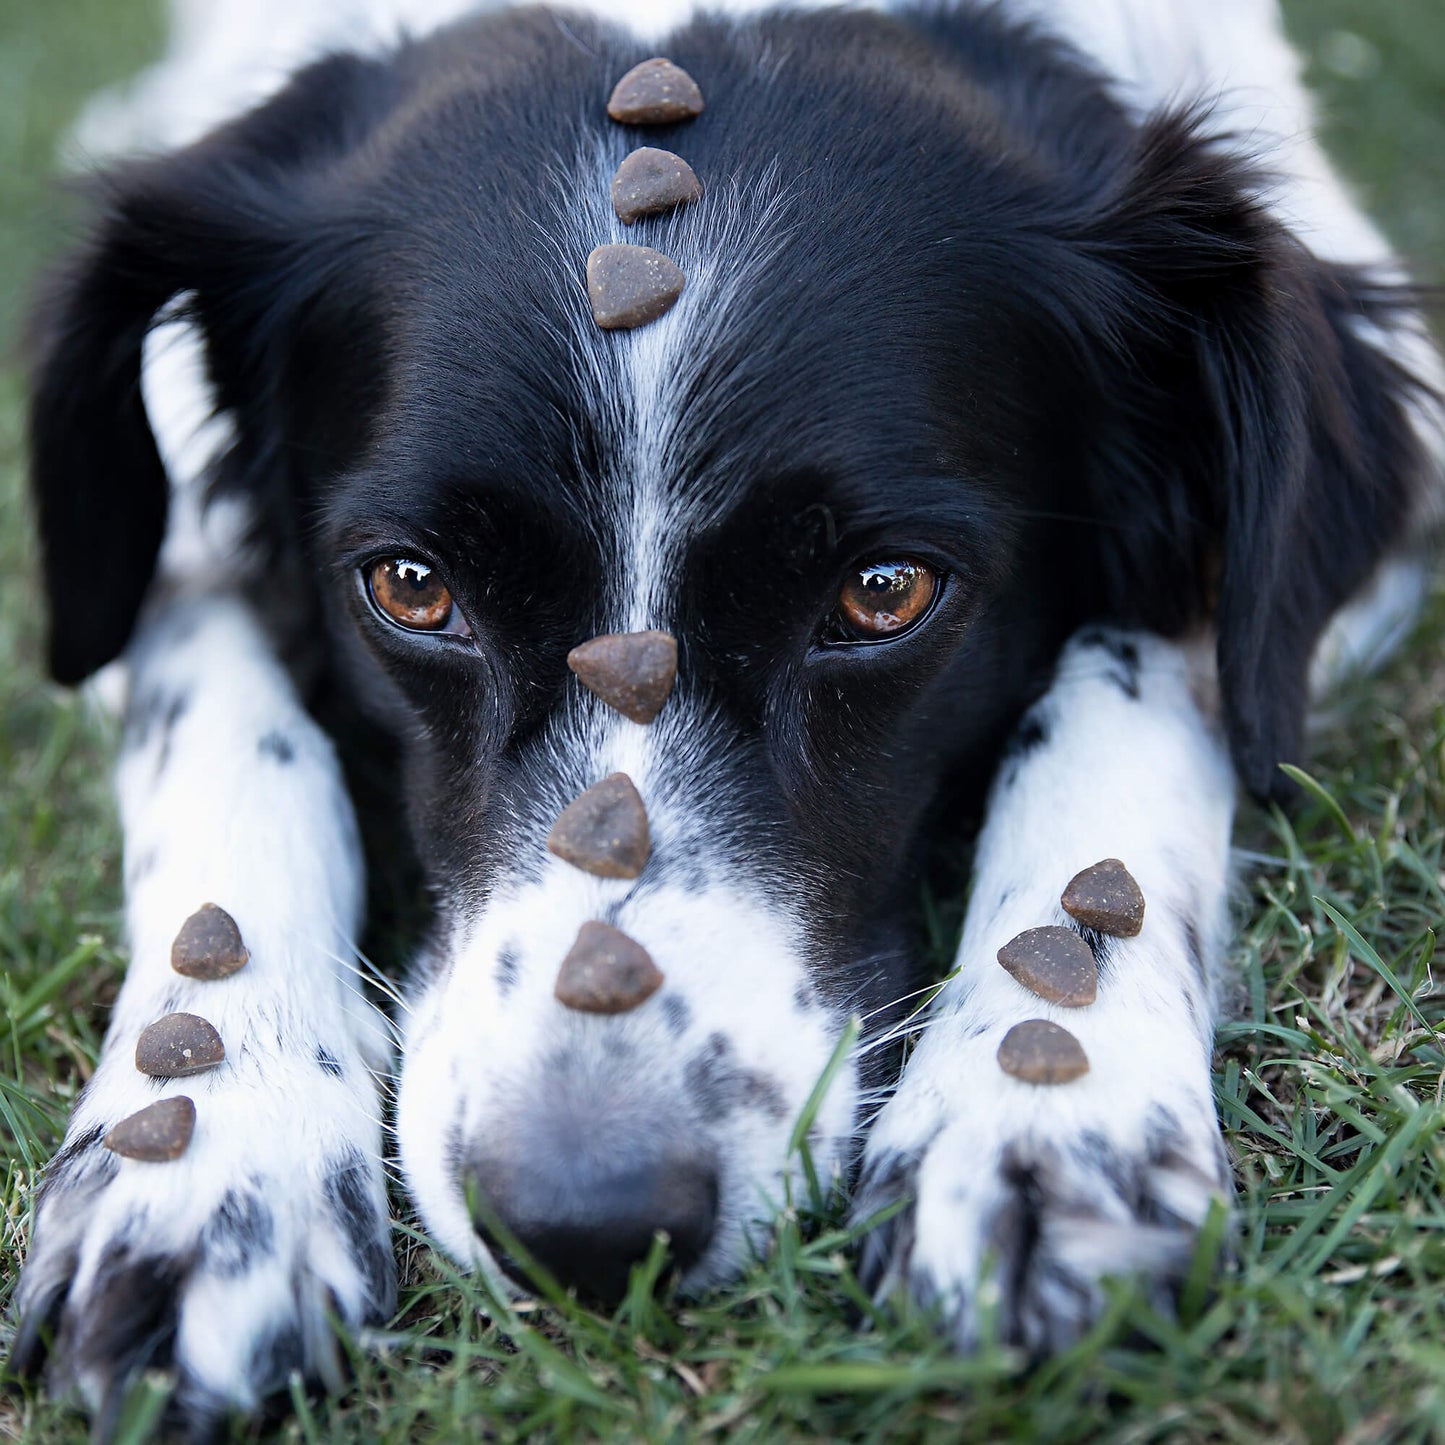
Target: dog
[1038, 422]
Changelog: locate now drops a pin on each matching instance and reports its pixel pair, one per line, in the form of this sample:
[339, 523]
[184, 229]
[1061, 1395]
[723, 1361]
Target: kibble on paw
[1040, 1052]
[632, 672]
[209, 945]
[606, 972]
[657, 92]
[1055, 963]
[158, 1132]
[651, 182]
[604, 831]
[1106, 898]
[177, 1045]
[628, 286]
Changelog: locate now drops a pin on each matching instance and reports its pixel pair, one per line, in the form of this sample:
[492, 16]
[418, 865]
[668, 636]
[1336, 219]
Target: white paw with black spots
[1018, 1200]
[231, 1266]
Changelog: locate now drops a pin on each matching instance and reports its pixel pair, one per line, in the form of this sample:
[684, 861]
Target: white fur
[1147, 781]
[208, 818]
[728, 954]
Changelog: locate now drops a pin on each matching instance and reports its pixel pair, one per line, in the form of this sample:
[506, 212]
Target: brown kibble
[209, 945]
[629, 286]
[1105, 897]
[177, 1045]
[1055, 963]
[604, 832]
[1040, 1052]
[606, 972]
[657, 92]
[630, 671]
[651, 182]
[158, 1132]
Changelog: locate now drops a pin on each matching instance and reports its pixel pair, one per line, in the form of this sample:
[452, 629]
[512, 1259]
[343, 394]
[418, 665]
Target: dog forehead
[810, 262]
[838, 334]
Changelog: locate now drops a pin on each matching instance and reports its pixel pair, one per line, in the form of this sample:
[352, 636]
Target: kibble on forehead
[628, 286]
[656, 92]
[652, 182]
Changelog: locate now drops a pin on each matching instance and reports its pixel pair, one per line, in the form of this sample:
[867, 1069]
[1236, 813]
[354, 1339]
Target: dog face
[727, 474]
[930, 332]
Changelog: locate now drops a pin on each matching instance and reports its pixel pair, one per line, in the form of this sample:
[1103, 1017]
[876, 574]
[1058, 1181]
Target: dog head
[956, 332]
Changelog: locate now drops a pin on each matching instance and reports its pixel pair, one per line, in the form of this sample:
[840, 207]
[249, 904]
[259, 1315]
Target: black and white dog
[1043, 320]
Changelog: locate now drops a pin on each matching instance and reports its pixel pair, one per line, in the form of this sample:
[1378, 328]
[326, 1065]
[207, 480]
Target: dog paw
[1009, 1231]
[231, 1265]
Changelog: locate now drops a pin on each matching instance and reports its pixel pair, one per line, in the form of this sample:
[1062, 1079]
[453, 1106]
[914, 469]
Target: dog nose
[589, 1223]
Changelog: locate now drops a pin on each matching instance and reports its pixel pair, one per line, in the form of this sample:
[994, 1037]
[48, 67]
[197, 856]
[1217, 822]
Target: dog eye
[412, 595]
[885, 599]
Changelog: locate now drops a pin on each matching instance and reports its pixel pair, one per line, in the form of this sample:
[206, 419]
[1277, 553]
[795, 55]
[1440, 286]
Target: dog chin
[586, 1133]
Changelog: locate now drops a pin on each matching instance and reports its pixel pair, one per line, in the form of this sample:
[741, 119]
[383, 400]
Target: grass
[1329, 1324]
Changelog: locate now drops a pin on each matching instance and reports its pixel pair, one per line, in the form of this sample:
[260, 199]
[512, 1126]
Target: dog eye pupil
[884, 599]
[410, 593]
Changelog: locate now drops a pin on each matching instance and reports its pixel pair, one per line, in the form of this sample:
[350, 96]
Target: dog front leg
[1023, 1196]
[229, 1262]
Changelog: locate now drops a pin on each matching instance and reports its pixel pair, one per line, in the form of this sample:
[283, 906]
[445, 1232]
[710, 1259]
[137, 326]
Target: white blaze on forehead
[635, 384]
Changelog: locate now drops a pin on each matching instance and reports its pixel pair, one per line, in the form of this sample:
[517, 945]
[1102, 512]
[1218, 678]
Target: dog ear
[226, 222]
[1257, 458]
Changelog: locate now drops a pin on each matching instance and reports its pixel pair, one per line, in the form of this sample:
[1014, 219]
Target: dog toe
[1016, 1246]
[228, 1272]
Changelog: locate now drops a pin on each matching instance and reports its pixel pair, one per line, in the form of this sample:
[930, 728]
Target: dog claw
[34, 1335]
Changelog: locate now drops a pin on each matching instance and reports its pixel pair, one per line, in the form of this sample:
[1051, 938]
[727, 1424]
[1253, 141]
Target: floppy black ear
[229, 221]
[1257, 460]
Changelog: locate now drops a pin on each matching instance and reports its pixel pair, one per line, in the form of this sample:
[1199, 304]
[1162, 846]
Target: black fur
[365, 1230]
[129, 1325]
[277, 746]
[716, 1084]
[241, 1229]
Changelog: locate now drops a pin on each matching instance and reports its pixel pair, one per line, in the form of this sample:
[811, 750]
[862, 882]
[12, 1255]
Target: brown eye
[884, 599]
[413, 595]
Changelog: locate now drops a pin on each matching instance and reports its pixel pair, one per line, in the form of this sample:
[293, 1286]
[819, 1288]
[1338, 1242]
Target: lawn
[1330, 1322]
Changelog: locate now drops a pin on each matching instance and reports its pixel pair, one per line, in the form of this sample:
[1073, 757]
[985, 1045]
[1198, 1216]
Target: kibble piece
[657, 92]
[630, 671]
[606, 972]
[1055, 963]
[629, 286]
[158, 1132]
[651, 182]
[177, 1045]
[1106, 898]
[604, 832]
[1040, 1052]
[209, 945]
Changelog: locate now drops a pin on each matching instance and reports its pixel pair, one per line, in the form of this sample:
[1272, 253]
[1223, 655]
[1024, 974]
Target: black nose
[589, 1222]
